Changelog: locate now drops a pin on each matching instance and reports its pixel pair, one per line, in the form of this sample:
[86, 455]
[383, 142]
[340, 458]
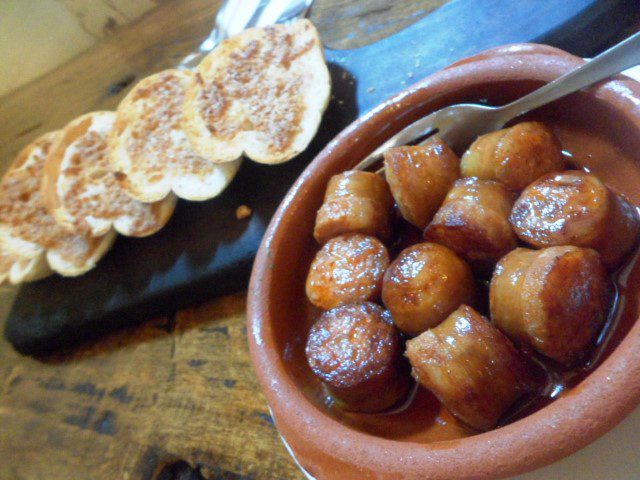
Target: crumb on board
[243, 212]
[371, 89]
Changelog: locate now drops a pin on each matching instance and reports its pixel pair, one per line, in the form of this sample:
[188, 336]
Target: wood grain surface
[176, 397]
[50, 32]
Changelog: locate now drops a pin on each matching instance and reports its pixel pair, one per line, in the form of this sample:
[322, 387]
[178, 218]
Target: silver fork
[459, 125]
[237, 15]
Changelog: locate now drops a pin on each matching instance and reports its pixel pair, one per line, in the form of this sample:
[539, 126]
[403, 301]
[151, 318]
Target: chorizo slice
[424, 284]
[347, 269]
[473, 369]
[576, 208]
[555, 300]
[354, 202]
[419, 178]
[357, 353]
[515, 156]
[473, 221]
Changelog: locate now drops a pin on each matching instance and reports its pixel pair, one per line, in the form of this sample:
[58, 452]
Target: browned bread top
[83, 192]
[260, 93]
[21, 206]
[28, 232]
[148, 146]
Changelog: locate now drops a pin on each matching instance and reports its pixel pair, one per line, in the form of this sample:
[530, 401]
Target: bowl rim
[559, 429]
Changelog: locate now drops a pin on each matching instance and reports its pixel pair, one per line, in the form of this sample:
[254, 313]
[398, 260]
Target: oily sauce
[421, 417]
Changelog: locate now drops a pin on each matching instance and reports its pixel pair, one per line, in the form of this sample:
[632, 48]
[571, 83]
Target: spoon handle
[624, 55]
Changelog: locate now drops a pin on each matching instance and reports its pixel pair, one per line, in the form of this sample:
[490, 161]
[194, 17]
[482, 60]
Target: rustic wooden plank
[40, 35]
[349, 24]
[175, 389]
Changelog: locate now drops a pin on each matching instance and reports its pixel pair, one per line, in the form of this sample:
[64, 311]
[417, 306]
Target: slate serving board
[205, 251]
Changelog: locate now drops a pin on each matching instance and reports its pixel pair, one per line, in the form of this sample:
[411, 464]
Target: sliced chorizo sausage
[473, 221]
[424, 284]
[473, 369]
[357, 352]
[576, 208]
[420, 177]
[555, 300]
[354, 202]
[347, 269]
[515, 156]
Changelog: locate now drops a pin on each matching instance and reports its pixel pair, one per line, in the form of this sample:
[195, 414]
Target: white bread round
[6, 264]
[149, 147]
[29, 235]
[29, 270]
[260, 93]
[85, 195]
[69, 267]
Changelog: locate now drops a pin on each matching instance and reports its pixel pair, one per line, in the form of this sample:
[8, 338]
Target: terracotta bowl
[601, 127]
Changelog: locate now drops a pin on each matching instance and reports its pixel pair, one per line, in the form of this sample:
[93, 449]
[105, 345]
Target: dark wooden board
[205, 251]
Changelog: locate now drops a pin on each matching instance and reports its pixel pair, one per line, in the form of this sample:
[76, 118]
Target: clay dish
[601, 129]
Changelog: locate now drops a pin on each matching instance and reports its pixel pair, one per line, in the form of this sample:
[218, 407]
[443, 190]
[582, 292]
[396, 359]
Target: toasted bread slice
[6, 262]
[16, 269]
[29, 235]
[28, 269]
[260, 93]
[84, 194]
[149, 147]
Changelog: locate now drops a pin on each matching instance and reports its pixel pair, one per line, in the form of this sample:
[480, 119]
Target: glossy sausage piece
[515, 156]
[424, 284]
[357, 202]
[473, 369]
[420, 177]
[576, 208]
[556, 300]
[356, 351]
[347, 269]
[473, 221]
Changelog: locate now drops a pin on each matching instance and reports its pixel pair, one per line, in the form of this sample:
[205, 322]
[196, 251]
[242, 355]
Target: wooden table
[142, 402]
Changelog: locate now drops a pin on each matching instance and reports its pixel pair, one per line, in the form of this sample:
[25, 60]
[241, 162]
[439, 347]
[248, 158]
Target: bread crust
[15, 269]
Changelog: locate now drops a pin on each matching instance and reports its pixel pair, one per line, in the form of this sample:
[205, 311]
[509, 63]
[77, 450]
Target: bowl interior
[598, 137]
